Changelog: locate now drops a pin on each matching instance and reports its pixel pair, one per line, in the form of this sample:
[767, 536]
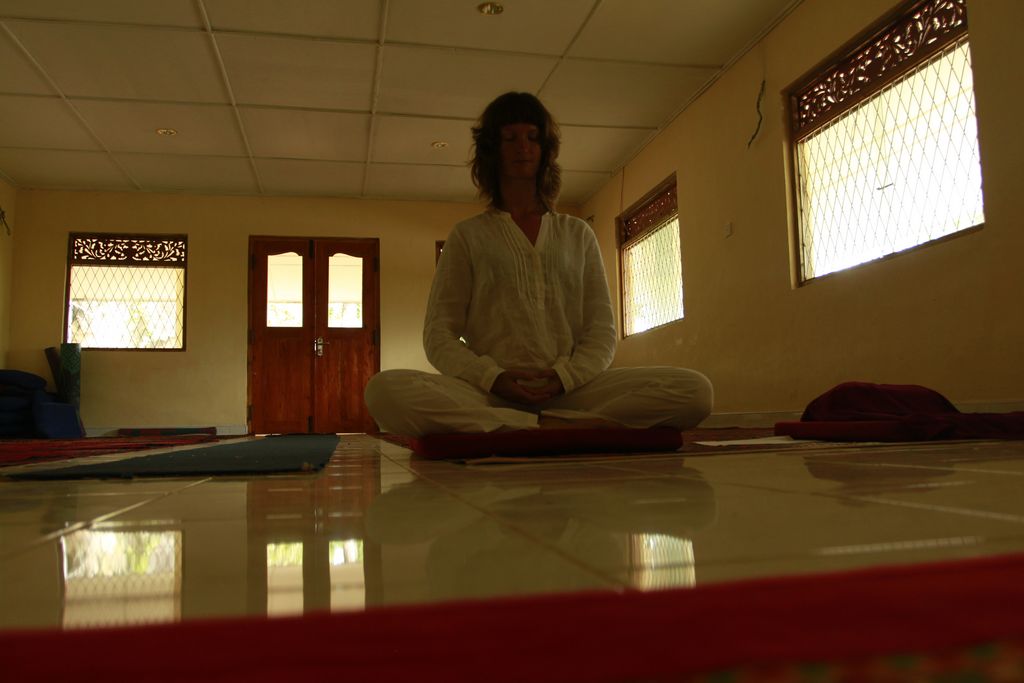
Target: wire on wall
[760, 116]
[3, 219]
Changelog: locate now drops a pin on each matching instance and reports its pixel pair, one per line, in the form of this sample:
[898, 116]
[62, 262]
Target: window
[651, 261]
[126, 291]
[886, 143]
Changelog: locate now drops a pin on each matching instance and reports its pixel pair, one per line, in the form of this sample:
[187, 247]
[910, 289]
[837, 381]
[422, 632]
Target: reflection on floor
[380, 527]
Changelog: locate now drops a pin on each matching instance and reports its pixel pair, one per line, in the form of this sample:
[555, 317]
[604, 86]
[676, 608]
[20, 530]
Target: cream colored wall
[8, 197]
[946, 316]
[206, 384]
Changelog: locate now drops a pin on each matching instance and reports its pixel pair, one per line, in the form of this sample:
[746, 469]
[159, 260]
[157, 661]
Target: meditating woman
[519, 320]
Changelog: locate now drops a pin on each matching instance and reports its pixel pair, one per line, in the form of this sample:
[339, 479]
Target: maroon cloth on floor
[21, 451]
[656, 636]
[527, 442]
[861, 411]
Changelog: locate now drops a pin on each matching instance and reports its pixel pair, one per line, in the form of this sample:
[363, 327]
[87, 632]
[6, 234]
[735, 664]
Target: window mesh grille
[126, 292]
[121, 577]
[652, 279]
[900, 169]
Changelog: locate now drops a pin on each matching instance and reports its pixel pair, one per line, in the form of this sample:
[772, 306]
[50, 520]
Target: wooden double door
[314, 333]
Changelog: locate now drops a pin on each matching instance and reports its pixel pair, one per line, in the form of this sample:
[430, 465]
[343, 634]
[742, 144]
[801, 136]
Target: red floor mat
[528, 443]
[951, 621]
[22, 451]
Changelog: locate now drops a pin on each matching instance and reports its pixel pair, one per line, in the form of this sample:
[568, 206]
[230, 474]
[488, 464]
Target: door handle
[318, 346]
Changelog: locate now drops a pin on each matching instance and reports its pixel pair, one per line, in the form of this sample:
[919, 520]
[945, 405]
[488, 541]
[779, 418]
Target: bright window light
[898, 170]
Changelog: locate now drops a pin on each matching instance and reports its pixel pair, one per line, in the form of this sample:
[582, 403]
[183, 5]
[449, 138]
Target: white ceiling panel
[190, 173]
[131, 127]
[18, 74]
[409, 139]
[304, 134]
[299, 72]
[517, 29]
[151, 12]
[125, 62]
[401, 181]
[450, 82]
[685, 32]
[45, 168]
[44, 122]
[599, 149]
[313, 178]
[618, 94]
[359, 19]
[306, 82]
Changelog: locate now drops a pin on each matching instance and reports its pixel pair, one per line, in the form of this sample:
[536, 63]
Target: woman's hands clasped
[528, 386]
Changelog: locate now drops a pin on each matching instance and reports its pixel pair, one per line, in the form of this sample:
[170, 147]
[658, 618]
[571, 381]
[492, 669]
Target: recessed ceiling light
[438, 144]
[490, 8]
[166, 131]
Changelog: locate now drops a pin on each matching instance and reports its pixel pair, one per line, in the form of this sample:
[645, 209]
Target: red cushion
[547, 442]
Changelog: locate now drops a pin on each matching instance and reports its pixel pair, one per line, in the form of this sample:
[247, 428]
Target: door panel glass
[284, 290]
[345, 291]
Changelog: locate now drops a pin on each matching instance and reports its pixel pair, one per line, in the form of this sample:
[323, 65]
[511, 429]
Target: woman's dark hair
[515, 107]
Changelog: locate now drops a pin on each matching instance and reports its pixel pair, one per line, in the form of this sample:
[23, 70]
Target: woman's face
[520, 151]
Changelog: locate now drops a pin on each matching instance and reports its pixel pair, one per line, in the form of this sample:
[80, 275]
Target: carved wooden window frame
[917, 31]
[129, 251]
[647, 214]
[902, 41]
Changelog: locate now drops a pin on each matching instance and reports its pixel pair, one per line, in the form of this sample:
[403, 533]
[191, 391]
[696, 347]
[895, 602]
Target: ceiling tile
[42, 168]
[106, 61]
[190, 173]
[304, 134]
[304, 177]
[18, 75]
[599, 149]
[579, 186]
[160, 13]
[690, 32]
[526, 26]
[409, 139]
[451, 82]
[45, 122]
[131, 127]
[585, 92]
[402, 181]
[307, 75]
[358, 19]
[299, 72]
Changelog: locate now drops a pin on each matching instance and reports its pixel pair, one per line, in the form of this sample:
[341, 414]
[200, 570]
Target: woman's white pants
[416, 403]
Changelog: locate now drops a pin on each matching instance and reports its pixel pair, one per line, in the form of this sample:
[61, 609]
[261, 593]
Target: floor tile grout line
[967, 512]
[85, 524]
[624, 466]
[893, 465]
[614, 583]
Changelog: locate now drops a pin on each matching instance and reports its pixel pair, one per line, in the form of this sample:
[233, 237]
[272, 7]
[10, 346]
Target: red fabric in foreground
[655, 636]
[20, 451]
[861, 411]
[546, 442]
[164, 431]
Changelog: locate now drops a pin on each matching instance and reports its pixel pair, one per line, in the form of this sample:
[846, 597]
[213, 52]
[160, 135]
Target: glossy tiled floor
[378, 527]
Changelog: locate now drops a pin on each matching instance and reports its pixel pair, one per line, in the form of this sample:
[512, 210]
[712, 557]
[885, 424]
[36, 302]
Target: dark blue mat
[287, 453]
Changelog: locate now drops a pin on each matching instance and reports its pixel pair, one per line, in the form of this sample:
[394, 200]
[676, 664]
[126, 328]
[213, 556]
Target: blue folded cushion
[21, 379]
[24, 430]
[14, 402]
[14, 417]
[57, 420]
